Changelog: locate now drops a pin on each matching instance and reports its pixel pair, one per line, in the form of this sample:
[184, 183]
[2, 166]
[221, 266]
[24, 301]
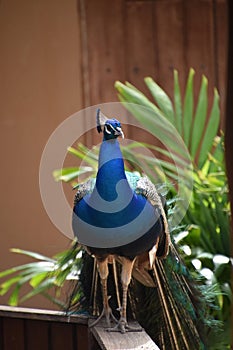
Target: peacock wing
[83, 189]
[146, 188]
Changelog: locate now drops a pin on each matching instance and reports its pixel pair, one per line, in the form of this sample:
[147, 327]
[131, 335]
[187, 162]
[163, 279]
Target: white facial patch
[106, 129]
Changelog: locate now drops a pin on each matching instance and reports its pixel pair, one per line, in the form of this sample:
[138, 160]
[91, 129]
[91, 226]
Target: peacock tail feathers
[173, 306]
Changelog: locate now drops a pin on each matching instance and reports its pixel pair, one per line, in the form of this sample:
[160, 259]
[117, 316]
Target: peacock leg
[126, 273]
[106, 312]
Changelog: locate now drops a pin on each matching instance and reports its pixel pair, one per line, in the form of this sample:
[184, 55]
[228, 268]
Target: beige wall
[40, 85]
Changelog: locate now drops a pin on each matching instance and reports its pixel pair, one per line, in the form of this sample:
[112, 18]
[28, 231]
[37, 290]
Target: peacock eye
[108, 127]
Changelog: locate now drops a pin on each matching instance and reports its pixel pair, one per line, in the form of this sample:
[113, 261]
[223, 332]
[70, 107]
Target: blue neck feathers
[111, 170]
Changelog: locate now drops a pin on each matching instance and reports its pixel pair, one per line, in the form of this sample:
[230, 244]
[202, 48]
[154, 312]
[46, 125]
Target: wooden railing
[34, 329]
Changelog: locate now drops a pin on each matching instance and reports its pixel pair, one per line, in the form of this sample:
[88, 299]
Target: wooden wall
[57, 57]
[36, 329]
[22, 329]
[132, 39]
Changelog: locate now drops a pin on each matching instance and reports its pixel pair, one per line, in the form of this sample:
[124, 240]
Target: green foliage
[43, 275]
[203, 234]
[190, 124]
[207, 235]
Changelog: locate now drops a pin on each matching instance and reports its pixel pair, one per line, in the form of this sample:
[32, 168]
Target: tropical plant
[43, 275]
[203, 233]
[205, 237]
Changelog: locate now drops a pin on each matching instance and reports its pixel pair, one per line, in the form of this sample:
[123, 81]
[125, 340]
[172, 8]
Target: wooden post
[138, 340]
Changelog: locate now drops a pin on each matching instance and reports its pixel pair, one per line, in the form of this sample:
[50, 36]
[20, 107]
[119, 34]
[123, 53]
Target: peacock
[126, 213]
[119, 217]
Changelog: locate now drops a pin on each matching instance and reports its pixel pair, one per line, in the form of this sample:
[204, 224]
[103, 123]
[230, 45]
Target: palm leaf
[157, 125]
[83, 156]
[7, 285]
[178, 104]
[33, 255]
[68, 174]
[41, 275]
[198, 134]
[199, 118]
[38, 278]
[135, 96]
[161, 99]
[43, 287]
[14, 297]
[188, 108]
[211, 130]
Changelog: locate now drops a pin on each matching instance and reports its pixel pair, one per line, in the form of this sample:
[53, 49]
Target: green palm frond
[41, 275]
[196, 127]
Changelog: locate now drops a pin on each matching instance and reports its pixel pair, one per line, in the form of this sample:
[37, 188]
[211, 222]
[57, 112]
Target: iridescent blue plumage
[119, 214]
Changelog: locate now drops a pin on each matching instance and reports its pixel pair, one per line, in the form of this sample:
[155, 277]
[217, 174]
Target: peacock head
[110, 127]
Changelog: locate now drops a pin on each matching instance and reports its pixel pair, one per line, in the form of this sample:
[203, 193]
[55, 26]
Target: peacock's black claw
[123, 327]
[106, 315]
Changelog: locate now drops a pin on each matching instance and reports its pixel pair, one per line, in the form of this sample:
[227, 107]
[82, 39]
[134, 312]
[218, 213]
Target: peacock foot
[107, 315]
[123, 327]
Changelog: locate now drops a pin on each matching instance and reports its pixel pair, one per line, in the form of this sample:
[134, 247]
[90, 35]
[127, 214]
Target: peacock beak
[119, 132]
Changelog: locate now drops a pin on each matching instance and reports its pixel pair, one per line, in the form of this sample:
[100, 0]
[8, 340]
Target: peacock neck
[110, 151]
[111, 169]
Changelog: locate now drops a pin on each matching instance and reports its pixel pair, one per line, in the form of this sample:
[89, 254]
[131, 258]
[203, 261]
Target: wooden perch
[118, 341]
